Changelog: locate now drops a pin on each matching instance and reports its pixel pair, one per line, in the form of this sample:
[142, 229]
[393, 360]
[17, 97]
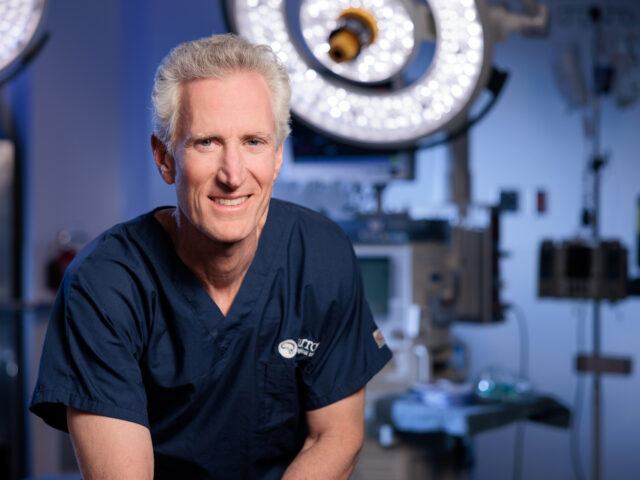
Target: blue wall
[531, 141]
[89, 166]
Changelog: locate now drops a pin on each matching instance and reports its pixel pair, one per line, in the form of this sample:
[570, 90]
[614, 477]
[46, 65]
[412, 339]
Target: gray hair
[215, 57]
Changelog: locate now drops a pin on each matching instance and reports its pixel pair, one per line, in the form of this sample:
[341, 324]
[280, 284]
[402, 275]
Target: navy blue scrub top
[134, 336]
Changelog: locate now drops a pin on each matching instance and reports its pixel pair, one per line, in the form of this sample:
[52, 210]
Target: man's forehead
[235, 80]
[240, 99]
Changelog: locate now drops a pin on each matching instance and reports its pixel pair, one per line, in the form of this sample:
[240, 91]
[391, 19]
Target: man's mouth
[230, 202]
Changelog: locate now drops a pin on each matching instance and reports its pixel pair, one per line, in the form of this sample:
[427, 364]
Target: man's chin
[227, 236]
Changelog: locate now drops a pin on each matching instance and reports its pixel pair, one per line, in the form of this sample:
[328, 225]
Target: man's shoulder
[317, 245]
[114, 254]
[313, 227]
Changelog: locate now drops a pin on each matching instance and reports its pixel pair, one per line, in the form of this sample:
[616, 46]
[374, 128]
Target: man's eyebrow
[190, 139]
[258, 134]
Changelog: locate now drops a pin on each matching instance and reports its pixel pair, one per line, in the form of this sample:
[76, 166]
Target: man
[227, 337]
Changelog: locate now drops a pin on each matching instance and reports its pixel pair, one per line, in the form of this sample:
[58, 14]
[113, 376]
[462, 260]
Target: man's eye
[205, 142]
[255, 141]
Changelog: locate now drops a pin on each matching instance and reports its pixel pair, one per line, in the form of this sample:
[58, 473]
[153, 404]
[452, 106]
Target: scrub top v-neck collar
[205, 308]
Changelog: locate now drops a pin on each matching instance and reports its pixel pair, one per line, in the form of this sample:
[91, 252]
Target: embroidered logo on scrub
[379, 338]
[289, 348]
[307, 347]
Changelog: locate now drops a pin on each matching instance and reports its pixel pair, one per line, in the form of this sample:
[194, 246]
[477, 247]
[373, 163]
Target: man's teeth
[230, 201]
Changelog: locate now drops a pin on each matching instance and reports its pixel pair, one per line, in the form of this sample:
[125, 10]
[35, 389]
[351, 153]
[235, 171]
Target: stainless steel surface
[9, 356]
[6, 218]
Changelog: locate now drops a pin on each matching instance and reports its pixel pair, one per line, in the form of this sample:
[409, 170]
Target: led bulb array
[366, 115]
[19, 20]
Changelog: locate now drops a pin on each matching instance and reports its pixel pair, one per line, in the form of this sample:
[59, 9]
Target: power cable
[523, 333]
[523, 373]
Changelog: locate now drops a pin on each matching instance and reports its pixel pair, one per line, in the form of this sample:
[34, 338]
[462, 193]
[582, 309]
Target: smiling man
[227, 337]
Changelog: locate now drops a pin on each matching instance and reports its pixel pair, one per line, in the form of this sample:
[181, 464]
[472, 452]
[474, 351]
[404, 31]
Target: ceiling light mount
[357, 29]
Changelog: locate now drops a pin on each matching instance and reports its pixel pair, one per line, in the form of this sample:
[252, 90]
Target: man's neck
[220, 267]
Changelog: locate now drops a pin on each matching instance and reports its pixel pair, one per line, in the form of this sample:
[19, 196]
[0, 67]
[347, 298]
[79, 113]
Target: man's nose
[232, 171]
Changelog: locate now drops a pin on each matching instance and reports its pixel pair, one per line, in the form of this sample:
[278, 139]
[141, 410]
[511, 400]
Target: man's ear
[279, 154]
[164, 160]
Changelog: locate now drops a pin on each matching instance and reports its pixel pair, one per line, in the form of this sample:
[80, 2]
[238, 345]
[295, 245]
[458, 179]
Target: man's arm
[109, 448]
[336, 433]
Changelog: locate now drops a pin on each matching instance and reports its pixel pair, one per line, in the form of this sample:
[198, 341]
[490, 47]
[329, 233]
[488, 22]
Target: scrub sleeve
[91, 351]
[351, 349]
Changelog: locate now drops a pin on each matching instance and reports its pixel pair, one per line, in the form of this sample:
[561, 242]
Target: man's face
[226, 158]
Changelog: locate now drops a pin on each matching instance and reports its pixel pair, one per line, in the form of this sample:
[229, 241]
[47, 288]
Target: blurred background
[482, 156]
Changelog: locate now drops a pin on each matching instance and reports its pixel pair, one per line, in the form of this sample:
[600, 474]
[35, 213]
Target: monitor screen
[376, 273]
[315, 157]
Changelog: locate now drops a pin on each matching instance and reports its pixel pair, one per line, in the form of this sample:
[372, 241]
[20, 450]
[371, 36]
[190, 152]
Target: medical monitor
[318, 158]
[376, 278]
[388, 279]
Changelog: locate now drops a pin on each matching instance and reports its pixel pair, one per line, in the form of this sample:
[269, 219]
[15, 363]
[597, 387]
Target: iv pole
[596, 163]
[596, 363]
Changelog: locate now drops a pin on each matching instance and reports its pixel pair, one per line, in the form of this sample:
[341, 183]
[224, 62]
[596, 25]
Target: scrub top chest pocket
[279, 405]
[281, 429]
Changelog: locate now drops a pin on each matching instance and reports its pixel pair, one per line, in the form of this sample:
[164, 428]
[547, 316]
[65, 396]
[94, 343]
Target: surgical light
[343, 101]
[19, 20]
